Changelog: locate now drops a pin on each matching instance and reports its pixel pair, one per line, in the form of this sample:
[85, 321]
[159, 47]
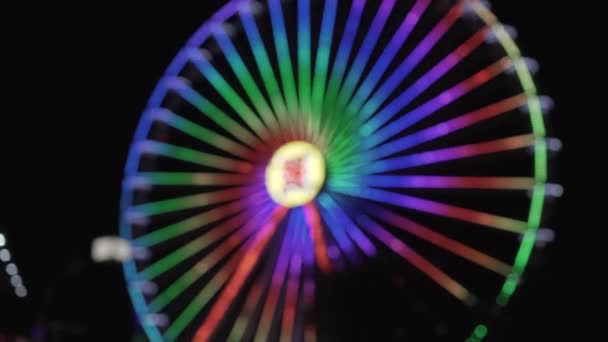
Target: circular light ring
[535, 139]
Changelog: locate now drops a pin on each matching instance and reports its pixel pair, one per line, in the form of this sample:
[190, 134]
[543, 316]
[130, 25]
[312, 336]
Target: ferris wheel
[291, 143]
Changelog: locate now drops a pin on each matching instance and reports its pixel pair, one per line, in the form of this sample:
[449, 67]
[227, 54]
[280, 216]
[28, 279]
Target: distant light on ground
[11, 269]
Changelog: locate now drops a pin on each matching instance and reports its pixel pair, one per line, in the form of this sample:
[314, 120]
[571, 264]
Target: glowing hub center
[295, 174]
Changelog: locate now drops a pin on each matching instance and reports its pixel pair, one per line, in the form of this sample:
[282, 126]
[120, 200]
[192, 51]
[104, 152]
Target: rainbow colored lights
[290, 141]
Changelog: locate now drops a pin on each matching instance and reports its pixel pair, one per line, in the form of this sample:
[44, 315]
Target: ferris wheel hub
[295, 174]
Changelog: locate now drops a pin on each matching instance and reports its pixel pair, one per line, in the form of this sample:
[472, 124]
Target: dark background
[75, 83]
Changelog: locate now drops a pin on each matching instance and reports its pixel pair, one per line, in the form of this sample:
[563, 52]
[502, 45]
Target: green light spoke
[202, 299]
[195, 246]
[185, 179]
[264, 66]
[244, 76]
[228, 93]
[192, 156]
[186, 202]
[193, 223]
[304, 56]
[208, 262]
[203, 134]
[283, 55]
[212, 112]
[322, 61]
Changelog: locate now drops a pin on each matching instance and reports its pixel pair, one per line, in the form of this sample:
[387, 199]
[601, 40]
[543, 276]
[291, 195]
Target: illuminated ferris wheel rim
[519, 65]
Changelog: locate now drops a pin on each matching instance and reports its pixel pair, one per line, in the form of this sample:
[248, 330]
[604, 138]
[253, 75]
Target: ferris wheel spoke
[206, 264]
[366, 49]
[283, 55]
[203, 134]
[450, 154]
[439, 240]
[186, 202]
[430, 107]
[341, 62]
[264, 66]
[412, 61]
[275, 288]
[437, 208]
[387, 57]
[322, 63]
[304, 56]
[193, 156]
[197, 304]
[339, 234]
[174, 230]
[240, 107]
[418, 261]
[450, 126]
[291, 297]
[308, 293]
[267, 295]
[370, 109]
[244, 76]
[313, 220]
[195, 246]
[341, 220]
[248, 314]
[212, 112]
[446, 182]
[145, 179]
[243, 271]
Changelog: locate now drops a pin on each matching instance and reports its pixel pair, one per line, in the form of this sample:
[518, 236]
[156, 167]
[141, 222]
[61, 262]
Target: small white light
[141, 253]
[160, 320]
[555, 190]
[147, 287]
[16, 281]
[545, 236]
[554, 144]
[546, 103]
[11, 269]
[21, 291]
[531, 64]
[110, 248]
[2, 240]
[5, 255]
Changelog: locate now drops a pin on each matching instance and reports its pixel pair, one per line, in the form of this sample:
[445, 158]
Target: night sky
[77, 82]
